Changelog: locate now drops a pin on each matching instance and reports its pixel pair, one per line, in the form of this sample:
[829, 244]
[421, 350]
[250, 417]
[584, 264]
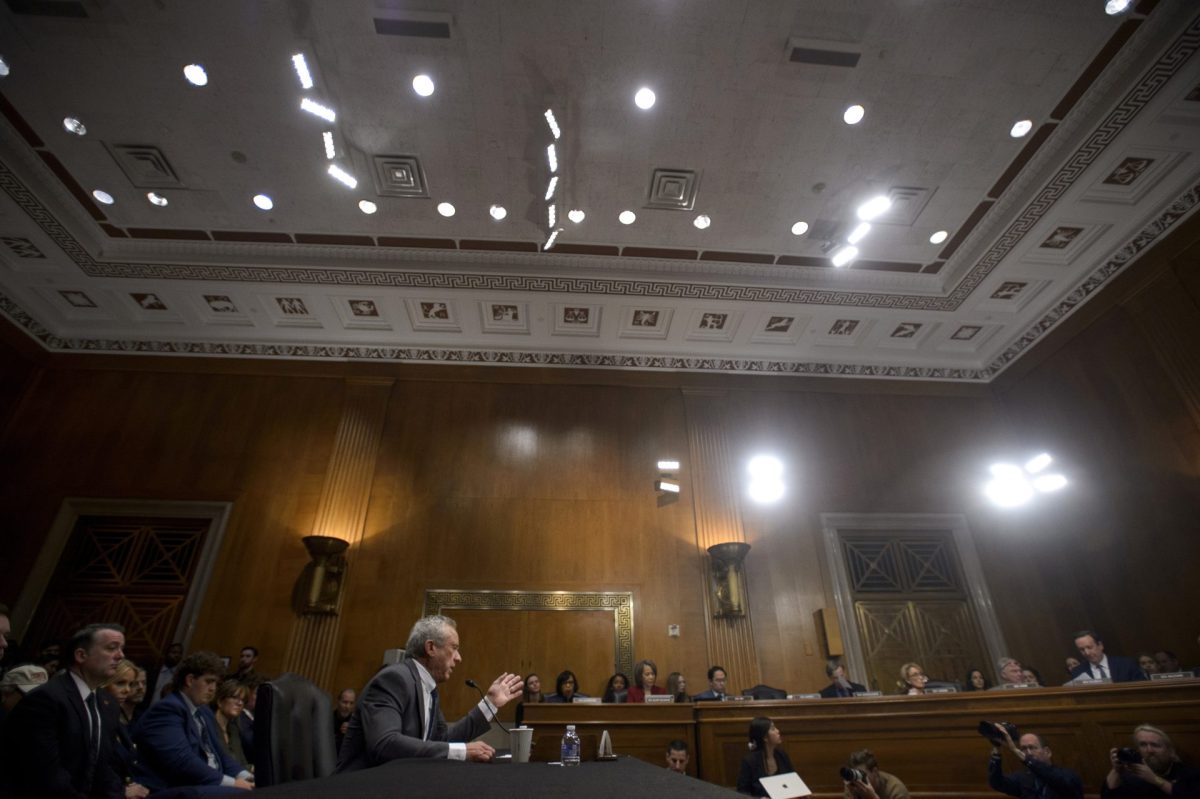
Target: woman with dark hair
[645, 673]
[531, 693]
[976, 681]
[615, 691]
[677, 686]
[564, 688]
[765, 759]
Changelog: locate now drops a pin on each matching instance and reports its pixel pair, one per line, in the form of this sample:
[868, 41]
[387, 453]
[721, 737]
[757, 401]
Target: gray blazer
[387, 723]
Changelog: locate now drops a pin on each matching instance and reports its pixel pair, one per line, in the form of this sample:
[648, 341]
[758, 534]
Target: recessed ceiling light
[3, 68]
[552, 158]
[874, 207]
[854, 114]
[1114, 7]
[73, 125]
[498, 212]
[550, 188]
[1021, 128]
[327, 114]
[263, 202]
[445, 209]
[156, 199]
[553, 123]
[799, 229]
[367, 207]
[575, 215]
[644, 98]
[301, 65]
[627, 217]
[702, 221]
[330, 149]
[423, 85]
[196, 75]
[342, 176]
[939, 237]
[859, 232]
[844, 256]
[103, 197]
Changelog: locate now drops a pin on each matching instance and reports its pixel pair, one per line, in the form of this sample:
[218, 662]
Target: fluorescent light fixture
[799, 229]
[764, 466]
[1038, 462]
[367, 207]
[766, 491]
[844, 256]
[445, 209]
[1114, 7]
[644, 99]
[859, 233]
[576, 215]
[939, 237]
[1009, 491]
[196, 75]
[330, 150]
[73, 125]
[301, 65]
[1049, 482]
[550, 189]
[498, 212]
[316, 109]
[423, 85]
[552, 158]
[874, 207]
[343, 176]
[553, 237]
[263, 202]
[854, 114]
[666, 485]
[156, 199]
[551, 216]
[1021, 128]
[627, 217]
[3, 68]
[103, 197]
[553, 123]
[702, 221]
[668, 466]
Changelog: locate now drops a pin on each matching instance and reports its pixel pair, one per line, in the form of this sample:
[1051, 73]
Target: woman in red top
[644, 675]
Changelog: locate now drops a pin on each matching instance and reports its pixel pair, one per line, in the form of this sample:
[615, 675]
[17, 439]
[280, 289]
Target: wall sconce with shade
[319, 585]
[727, 578]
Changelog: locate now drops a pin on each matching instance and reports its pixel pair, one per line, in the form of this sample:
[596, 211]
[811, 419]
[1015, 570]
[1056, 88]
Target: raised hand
[505, 688]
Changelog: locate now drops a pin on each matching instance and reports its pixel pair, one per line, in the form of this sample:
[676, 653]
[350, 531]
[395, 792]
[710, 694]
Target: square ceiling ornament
[673, 189]
[399, 176]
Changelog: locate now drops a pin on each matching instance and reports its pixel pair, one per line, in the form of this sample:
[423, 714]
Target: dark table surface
[437, 779]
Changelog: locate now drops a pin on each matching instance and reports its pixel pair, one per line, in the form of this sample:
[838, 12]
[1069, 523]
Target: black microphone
[472, 684]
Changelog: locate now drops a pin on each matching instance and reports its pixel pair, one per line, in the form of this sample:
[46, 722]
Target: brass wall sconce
[727, 578]
[319, 585]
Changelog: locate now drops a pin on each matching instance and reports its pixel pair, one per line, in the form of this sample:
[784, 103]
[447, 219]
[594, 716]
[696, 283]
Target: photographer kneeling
[1152, 769]
[1041, 779]
[864, 780]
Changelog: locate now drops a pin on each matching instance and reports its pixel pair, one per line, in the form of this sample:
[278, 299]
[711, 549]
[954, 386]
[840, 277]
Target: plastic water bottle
[570, 747]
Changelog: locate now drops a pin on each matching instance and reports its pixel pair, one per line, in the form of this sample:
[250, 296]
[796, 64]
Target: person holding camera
[864, 780]
[1041, 779]
[1151, 769]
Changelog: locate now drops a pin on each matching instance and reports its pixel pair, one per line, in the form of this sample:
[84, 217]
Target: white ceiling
[942, 84]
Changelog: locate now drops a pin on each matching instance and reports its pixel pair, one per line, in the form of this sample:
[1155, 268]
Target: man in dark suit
[399, 714]
[1099, 666]
[716, 686]
[1041, 779]
[178, 741]
[58, 739]
[841, 685]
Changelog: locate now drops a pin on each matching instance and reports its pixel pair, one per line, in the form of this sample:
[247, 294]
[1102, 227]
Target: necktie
[1103, 674]
[205, 744]
[94, 725]
[433, 713]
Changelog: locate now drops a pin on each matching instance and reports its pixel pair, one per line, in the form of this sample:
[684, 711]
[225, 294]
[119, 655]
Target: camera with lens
[988, 730]
[853, 774]
[1129, 756]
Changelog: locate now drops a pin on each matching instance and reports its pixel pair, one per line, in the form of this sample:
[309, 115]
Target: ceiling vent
[673, 189]
[823, 52]
[907, 204]
[399, 176]
[145, 166]
[423, 25]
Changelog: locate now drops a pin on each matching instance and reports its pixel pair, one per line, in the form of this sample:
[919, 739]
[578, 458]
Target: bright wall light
[316, 109]
[553, 123]
[666, 485]
[342, 176]
[1012, 486]
[766, 479]
[301, 67]
[668, 466]
[552, 158]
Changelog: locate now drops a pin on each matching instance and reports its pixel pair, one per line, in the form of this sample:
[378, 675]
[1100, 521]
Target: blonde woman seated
[230, 701]
[121, 688]
[914, 679]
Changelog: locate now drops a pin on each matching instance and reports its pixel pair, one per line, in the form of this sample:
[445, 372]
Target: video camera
[1129, 756]
[853, 774]
[988, 730]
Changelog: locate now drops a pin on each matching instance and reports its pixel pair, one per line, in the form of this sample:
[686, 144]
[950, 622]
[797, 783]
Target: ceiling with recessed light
[694, 199]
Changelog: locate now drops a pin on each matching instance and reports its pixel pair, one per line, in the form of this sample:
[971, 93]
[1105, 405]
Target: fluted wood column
[314, 641]
[718, 519]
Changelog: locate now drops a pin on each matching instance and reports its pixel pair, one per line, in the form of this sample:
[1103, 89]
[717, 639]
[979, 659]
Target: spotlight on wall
[766, 479]
[666, 485]
[668, 466]
[1012, 486]
[319, 585]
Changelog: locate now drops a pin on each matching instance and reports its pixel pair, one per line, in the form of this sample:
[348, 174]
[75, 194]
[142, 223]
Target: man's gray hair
[1004, 661]
[429, 628]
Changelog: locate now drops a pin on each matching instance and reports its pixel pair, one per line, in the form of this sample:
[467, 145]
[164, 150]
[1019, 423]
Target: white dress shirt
[458, 750]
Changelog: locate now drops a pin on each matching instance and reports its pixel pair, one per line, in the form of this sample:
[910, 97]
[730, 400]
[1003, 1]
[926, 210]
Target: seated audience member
[57, 741]
[677, 756]
[1161, 772]
[399, 714]
[1010, 672]
[530, 694]
[1167, 662]
[835, 669]
[1072, 664]
[716, 686]
[677, 686]
[5, 632]
[231, 699]
[50, 659]
[165, 676]
[1099, 666]
[1031, 676]
[1041, 779]
[245, 721]
[877, 785]
[343, 709]
[179, 743]
[564, 688]
[120, 689]
[131, 708]
[913, 679]
[17, 682]
[976, 681]
[1147, 663]
[645, 673]
[616, 690]
[766, 759]
[247, 660]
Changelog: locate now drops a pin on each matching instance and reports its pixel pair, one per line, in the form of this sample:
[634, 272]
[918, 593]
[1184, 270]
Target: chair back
[761, 691]
[293, 732]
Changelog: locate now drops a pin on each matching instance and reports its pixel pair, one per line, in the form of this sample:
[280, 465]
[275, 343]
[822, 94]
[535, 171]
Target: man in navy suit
[1099, 666]
[716, 686]
[58, 739]
[835, 669]
[178, 740]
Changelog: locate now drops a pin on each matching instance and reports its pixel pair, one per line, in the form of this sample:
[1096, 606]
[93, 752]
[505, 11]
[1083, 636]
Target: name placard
[659, 699]
[1090, 681]
[804, 696]
[1174, 675]
[869, 693]
[945, 689]
[1008, 686]
[587, 700]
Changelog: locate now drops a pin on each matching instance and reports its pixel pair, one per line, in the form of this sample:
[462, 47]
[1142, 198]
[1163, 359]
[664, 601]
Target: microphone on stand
[472, 684]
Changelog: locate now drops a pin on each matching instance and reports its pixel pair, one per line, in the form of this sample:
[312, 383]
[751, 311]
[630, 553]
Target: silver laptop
[785, 786]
